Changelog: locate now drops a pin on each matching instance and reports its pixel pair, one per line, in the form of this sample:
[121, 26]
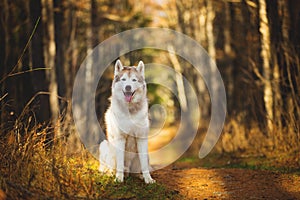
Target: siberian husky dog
[127, 124]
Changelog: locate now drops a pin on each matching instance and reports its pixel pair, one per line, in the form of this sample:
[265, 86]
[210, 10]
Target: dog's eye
[123, 79]
[134, 80]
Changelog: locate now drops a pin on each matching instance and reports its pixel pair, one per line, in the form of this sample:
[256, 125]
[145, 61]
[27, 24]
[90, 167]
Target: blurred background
[255, 43]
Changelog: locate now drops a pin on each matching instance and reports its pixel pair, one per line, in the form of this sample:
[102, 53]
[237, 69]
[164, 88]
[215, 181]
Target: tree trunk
[204, 98]
[49, 51]
[285, 17]
[4, 55]
[266, 58]
[90, 137]
[210, 29]
[202, 23]
[228, 52]
[38, 79]
[291, 22]
[179, 79]
[227, 32]
[61, 38]
[211, 47]
[180, 16]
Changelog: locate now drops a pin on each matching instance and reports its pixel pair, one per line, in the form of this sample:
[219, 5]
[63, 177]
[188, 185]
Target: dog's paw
[149, 180]
[119, 177]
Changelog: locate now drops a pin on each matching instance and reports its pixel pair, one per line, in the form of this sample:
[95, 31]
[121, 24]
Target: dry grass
[34, 166]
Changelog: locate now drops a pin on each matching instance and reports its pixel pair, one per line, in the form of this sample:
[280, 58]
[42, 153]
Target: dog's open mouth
[128, 96]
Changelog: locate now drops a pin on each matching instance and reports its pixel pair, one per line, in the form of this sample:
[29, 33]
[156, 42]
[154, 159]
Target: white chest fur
[123, 122]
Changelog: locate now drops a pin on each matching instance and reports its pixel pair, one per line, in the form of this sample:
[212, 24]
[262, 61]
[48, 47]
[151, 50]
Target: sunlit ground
[158, 138]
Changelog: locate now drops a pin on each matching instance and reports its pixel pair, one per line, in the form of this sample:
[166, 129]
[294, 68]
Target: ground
[31, 171]
[199, 183]
[264, 174]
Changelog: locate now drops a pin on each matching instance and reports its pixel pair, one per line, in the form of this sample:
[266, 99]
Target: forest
[255, 45]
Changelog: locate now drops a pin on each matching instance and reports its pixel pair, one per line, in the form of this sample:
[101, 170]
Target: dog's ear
[141, 68]
[118, 67]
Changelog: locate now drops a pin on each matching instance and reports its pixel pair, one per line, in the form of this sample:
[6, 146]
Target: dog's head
[129, 82]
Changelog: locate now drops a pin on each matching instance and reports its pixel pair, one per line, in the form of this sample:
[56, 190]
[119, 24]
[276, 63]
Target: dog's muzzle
[128, 96]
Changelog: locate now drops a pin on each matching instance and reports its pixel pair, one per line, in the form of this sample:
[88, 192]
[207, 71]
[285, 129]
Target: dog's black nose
[128, 88]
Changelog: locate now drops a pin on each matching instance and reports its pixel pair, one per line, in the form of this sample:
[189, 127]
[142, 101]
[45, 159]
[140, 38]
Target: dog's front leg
[120, 151]
[142, 145]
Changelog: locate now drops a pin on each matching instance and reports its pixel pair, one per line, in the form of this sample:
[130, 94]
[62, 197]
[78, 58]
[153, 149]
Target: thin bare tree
[49, 51]
[266, 62]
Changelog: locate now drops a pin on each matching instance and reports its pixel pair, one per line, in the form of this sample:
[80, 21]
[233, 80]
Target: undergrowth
[34, 166]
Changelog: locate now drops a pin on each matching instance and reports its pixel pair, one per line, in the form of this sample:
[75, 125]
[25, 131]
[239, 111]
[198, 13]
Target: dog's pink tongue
[128, 98]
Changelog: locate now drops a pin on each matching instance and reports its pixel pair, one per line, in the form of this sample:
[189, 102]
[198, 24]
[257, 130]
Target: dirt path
[197, 183]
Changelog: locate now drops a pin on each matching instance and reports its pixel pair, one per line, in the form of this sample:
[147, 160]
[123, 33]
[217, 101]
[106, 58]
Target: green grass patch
[131, 188]
[230, 161]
